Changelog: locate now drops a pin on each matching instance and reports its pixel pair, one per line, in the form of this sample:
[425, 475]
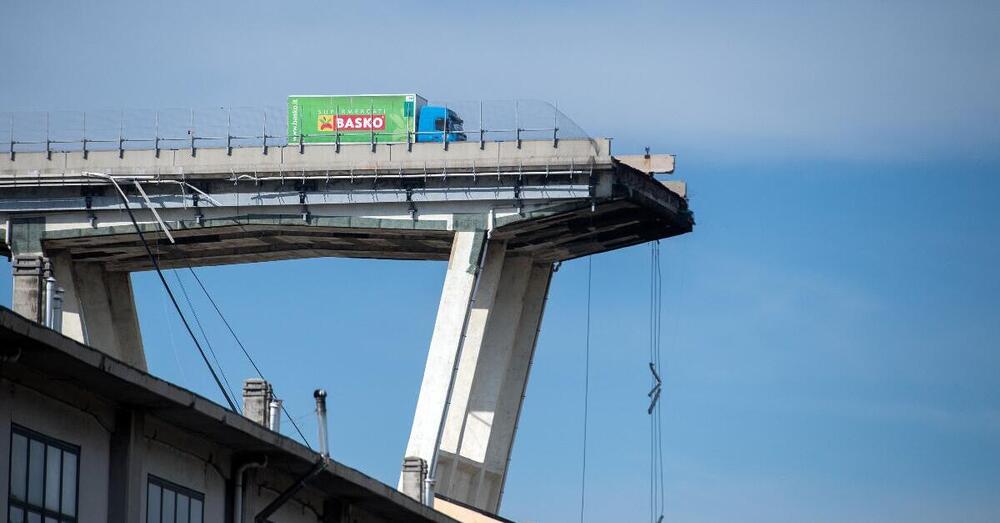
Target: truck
[370, 118]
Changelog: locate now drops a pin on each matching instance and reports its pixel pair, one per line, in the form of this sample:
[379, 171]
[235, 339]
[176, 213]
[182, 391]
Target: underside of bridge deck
[556, 234]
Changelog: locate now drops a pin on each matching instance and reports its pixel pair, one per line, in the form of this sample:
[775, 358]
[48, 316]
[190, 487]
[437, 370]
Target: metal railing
[264, 127]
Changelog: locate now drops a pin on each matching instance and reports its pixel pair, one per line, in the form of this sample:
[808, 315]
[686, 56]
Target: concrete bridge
[501, 214]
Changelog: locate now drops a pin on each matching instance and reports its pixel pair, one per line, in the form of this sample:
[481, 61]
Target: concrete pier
[489, 315]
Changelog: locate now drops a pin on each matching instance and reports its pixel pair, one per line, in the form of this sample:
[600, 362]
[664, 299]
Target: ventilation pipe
[50, 298]
[319, 466]
[324, 443]
[274, 415]
[57, 309]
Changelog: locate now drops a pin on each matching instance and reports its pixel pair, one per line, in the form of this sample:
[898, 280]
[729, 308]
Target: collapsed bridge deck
[554, 203]
[501, 213]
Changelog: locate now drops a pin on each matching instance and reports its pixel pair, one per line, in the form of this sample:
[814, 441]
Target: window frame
[166, 484]
[26, 506]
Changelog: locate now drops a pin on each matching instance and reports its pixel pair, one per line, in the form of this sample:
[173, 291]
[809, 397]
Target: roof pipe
[50, 299]
[319, 466]
[238, 491]
[324, 443]
[274, 415]
[58, 309]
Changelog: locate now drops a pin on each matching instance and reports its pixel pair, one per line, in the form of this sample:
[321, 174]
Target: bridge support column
[99, 309]
[503, 316]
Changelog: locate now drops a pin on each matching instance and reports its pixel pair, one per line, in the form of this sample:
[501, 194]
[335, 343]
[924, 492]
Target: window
[44, 475]
[439, 124]
[168, 502]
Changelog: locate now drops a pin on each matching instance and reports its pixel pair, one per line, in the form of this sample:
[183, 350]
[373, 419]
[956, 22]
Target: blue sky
[831, 326]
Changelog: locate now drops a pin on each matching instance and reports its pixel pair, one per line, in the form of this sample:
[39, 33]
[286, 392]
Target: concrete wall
[90, 430]
[188, 461]
[164, 451]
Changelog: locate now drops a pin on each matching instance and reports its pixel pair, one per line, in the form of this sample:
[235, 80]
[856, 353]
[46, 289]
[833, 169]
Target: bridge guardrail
[238, 127]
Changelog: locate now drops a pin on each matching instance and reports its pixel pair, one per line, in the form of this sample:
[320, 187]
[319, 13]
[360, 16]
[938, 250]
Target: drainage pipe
[238, 491]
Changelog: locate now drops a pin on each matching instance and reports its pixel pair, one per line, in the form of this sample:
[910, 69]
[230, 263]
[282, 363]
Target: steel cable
[246, 352]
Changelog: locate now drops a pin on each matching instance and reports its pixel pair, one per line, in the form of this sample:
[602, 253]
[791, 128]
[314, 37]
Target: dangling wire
[586, 391]
[197, 322]
[656, 484]
[170, 294]
[245, 351]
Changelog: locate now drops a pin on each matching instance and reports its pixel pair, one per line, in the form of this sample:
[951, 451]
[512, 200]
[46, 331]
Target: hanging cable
[586, 391]
[245, 351]
[656, 483]
[197, 322]
[177, 307]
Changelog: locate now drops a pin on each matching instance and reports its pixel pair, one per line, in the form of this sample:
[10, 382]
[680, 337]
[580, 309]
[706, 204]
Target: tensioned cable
[246, 352]
[208, 343]
[586, 392]
[170, 293]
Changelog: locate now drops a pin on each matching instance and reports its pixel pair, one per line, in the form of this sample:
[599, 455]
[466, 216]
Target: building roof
[54, 363]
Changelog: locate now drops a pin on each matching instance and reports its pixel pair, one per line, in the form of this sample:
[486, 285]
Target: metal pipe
[274, 415]
[50, 294]
[324, 443]
[238, 490]
[283, 498]
[57, 308]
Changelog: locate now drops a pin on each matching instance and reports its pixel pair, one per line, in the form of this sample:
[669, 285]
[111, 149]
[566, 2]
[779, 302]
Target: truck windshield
[455, 124]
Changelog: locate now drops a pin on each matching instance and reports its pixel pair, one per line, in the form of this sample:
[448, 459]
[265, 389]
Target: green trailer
[379, 118]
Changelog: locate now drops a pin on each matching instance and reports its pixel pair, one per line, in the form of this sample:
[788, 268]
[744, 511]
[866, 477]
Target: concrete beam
[649, 163]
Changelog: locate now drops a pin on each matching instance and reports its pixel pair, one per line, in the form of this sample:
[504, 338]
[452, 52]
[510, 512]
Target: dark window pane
[183, 504]
[34, 517]
[168, 506]
[51, 520]
[53, 467]
[196, 510]
[16, 515]
[153, 504]
[69, 484]
[19, 468]
[36, 472]
[439, 124]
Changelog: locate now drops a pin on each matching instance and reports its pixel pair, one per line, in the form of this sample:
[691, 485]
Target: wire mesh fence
[235, 127]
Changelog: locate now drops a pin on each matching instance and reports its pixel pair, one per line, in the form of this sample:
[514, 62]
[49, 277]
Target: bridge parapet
[250, 127]
[316, 161]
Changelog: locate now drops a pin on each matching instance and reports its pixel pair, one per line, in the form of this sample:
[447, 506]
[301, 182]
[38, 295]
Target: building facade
[86, 438]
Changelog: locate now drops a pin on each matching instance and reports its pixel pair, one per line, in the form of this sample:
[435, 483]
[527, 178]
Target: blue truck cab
[434, 120]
